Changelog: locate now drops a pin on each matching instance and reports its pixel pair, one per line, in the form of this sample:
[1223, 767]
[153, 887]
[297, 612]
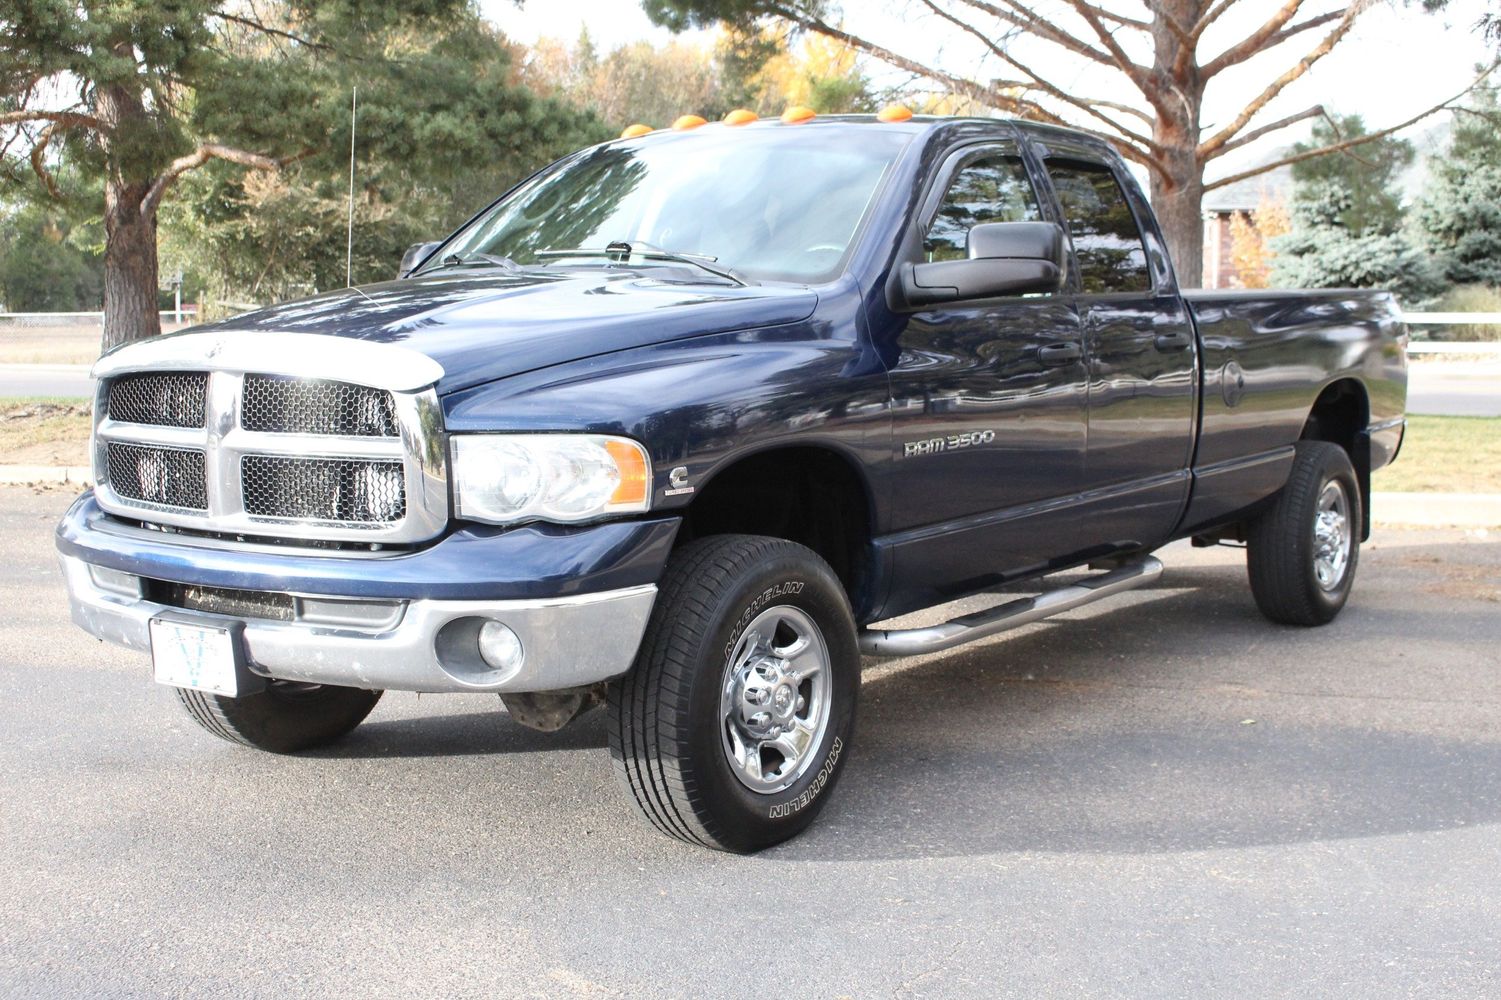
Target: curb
[34, 475]
[1437, 510]
[1400, 510]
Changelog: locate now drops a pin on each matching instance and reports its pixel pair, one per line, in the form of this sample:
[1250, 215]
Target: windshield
[771, 202]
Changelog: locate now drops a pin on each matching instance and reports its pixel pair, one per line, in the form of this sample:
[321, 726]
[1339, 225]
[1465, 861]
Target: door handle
[1059, 354]
[1175, 341]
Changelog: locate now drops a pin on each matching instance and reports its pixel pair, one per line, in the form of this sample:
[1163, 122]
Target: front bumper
[389, 627]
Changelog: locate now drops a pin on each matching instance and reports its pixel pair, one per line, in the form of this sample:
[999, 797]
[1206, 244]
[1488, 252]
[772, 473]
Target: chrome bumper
[422, 645]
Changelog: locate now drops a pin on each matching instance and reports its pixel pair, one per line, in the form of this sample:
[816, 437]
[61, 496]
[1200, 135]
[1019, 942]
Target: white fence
[184, 315]
[1453, 346]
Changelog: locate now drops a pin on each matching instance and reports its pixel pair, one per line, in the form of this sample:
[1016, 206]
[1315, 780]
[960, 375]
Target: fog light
[500, 647]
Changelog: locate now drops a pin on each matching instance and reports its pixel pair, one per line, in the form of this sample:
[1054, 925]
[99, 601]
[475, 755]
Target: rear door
[1140, 359]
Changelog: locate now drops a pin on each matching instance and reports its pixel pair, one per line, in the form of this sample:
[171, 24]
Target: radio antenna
[354, 107]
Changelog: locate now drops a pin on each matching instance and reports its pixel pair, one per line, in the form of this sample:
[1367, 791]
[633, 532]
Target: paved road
[1465, 389]
[1168, 797]
[68, 381]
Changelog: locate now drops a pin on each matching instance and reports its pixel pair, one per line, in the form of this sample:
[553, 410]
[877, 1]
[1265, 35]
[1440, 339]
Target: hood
[482, 326]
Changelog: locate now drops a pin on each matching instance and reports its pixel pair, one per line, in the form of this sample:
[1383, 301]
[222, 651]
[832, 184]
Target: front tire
[284, 718]
[1301, 551]
[731, 729]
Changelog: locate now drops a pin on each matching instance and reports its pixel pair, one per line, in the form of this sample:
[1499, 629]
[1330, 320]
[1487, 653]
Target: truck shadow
[1125, 731]
[1110, 734]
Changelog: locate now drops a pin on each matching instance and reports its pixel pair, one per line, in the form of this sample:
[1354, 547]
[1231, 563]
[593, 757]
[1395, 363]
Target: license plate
[194, 656]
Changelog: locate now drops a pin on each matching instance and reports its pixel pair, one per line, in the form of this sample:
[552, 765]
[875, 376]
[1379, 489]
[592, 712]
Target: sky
[1396, 62]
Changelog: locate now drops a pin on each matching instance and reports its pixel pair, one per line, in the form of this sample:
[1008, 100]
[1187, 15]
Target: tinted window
[991, 187]
[1106, 240]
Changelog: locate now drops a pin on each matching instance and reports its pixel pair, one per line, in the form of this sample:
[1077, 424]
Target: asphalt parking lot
[1162, 796]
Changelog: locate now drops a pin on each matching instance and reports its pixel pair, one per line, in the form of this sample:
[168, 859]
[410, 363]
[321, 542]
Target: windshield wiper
[469, 257]
[622, 249]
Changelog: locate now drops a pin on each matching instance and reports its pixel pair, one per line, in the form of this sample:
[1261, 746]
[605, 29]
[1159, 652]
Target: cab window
[989, 187]
[1107, 242]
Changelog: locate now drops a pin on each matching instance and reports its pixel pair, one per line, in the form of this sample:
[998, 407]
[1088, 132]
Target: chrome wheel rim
[1332, 538]
[774, 702]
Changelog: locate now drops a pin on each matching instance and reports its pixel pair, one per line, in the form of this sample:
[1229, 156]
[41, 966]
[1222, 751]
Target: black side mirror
[416, 254]
[1005, 258]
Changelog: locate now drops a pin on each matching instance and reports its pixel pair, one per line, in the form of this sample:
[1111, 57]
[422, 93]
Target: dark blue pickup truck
[671, 424]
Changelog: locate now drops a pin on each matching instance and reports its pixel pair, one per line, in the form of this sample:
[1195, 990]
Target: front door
[988, 404]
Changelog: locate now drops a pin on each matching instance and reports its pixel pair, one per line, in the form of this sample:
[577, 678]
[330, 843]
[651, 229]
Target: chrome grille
[281, 405]
[162, 477]
[277, 451]
[169, 399]
[323, 489]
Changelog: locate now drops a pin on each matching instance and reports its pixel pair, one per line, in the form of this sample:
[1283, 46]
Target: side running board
[1013, 614]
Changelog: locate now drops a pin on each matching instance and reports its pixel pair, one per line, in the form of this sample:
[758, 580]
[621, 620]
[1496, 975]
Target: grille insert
[348, 491]
[165, 477]
[167, 399]
[223, 601]
[280, 405]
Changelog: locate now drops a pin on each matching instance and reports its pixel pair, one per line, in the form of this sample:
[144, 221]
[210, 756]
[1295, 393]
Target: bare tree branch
[1210, 16]
[200, 156]
[1238, 54]
[1037, 81]
[1021, 16]
[38, 164]
[1317, 111]
[989, 96]
[1138, 75]
[256, 25]
[1253, 43]
[1224, 135]
[1179, 31]
[1359, 140]
[65, 119]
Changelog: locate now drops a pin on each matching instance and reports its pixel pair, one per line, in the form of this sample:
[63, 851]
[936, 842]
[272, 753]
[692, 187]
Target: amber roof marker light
[631, 131]
[687, 122]
[797, 114]
[894, 113]
[741, 116]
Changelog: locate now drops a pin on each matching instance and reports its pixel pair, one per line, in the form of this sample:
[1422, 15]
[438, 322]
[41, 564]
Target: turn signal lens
[740, 116]
[797, 113]
[687, 122]
[895, 113]
[635, 481]
[631, 131]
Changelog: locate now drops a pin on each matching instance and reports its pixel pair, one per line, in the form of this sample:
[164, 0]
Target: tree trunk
[1179, 211]
[1177, 197]
[130, 279]
[130, 283]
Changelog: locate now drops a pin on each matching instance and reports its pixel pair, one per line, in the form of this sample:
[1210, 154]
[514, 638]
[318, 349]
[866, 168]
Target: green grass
[1446, 455]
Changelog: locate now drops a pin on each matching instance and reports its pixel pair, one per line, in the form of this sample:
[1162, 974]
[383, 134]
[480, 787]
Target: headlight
[503, 478]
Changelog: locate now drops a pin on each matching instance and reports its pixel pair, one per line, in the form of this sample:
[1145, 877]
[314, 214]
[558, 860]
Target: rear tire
[730, 730]
[284, 718]
[1301, 552]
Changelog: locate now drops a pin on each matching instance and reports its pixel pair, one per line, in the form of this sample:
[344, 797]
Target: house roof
[1246, 195]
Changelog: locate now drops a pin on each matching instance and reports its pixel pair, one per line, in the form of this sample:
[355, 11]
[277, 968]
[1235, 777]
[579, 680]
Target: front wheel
[731, 729]
[1302, 550]
[284, 718]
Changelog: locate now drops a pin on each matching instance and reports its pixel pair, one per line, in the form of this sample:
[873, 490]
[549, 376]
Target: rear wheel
[1302, 551]
[284, 718]
[731, 727]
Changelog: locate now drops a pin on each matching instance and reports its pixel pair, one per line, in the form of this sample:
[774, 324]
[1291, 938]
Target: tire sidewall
[800, 581]
[1333, 465]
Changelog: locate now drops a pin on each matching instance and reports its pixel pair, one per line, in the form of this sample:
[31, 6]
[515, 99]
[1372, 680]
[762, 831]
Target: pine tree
[141, 93]
[1459, 215]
